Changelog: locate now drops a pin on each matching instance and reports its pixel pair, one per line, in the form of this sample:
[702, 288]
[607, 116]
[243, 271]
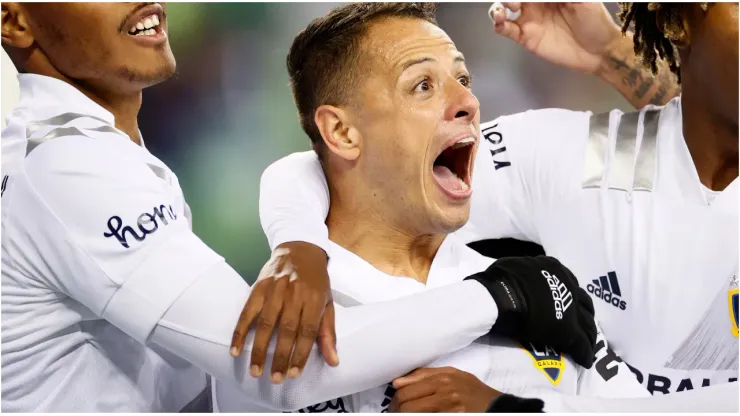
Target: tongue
[447, 179]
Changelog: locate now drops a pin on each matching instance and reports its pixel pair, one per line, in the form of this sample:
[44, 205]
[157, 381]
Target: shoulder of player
[531, 124]
[546, 140]
[79, 158]
[546, 132]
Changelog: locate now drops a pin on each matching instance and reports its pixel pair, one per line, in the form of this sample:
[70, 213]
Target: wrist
[620, 45]
[509, 300]
[304, 250]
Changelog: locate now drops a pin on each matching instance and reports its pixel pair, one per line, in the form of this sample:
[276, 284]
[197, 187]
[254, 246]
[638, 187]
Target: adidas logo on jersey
[607, 289]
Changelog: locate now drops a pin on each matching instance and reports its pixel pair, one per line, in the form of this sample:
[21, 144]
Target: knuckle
[265, 323]
[309, 330]
[454, 397]
[288, 327]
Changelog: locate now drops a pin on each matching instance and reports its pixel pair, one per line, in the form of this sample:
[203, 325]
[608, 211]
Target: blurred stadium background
[229, 113]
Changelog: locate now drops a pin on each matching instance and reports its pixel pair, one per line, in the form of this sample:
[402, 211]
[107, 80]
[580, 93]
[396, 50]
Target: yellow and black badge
[548, 361]
[732, 301]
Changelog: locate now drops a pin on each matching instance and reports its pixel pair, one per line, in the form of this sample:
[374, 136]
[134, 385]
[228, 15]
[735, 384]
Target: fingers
[428, 404]
[497, 13]
[422, 388]
[265, 325]
[308, 329]
[418, 375]
[250, 311]
[328, 336]
[585, 300]
[514, 7]
[588, 325]
[287, 331]
[501, 12]
[509, 30]
[582, 351]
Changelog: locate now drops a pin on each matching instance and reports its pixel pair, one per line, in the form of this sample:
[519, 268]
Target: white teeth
[150, 32]
[467, 140]
[464, 142]
[144, 25]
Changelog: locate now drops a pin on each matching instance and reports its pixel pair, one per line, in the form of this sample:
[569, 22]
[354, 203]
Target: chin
[151, 75]
[452, 219]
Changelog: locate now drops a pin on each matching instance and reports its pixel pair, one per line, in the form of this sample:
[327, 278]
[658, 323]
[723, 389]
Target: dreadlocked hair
[653, 42]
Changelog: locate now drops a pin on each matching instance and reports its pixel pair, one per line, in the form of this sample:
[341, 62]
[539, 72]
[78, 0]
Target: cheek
[76, 49]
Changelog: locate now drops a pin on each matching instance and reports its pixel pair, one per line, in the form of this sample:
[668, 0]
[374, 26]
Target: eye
[424, 86]
[465, 81]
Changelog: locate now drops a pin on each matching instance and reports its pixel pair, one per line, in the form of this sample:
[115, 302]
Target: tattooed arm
[584, 37]
[621, 69]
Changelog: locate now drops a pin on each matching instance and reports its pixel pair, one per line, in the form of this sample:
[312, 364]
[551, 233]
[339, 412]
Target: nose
[462, 104]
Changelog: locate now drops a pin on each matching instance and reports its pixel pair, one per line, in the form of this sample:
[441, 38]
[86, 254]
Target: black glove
[539, 302]
[507, 403]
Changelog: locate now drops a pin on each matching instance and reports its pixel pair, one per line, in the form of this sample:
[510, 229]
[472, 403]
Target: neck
[124, 106]
[390, 249]
[712, 139]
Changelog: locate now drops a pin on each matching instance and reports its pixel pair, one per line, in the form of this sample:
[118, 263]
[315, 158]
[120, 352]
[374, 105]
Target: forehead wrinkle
[401, 53]
[405, 41]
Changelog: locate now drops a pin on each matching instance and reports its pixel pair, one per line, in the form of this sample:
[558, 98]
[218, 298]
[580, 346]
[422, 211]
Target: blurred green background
[229, 113]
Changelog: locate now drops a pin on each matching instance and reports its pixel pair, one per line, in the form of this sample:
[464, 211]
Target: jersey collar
[43, 97]
[684, 168]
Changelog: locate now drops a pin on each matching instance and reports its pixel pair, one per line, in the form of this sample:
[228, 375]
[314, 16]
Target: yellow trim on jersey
[733, 319]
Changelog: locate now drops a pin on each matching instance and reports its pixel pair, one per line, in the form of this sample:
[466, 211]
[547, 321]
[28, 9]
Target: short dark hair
[322, 59]
[653, 42]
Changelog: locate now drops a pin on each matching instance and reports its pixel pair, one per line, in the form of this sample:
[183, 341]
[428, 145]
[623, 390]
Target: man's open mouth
[452, 167]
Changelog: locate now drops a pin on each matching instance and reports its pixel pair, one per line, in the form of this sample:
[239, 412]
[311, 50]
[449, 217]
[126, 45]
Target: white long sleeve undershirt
[387, 333]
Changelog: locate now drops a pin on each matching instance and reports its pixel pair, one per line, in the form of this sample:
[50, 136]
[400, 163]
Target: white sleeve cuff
[289, 235]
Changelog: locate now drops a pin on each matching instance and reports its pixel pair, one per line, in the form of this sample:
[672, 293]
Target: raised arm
[584, 37]
[634, 81]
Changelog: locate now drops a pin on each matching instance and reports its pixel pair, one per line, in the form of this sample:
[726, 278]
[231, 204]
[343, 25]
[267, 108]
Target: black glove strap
[507, 403]
[509, 300]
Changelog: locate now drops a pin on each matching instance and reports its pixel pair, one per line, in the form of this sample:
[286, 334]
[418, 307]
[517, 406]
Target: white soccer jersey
[500, 363]
[105, 287]
[58, 352]
[617, 199]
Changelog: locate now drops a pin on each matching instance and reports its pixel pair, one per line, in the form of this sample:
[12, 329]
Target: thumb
[328, 336]
[509, 30]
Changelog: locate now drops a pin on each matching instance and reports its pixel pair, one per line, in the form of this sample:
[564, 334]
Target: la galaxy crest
[549, 361]
[732, 304]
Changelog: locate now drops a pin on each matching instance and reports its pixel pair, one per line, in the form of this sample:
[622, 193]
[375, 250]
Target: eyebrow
[458, 58]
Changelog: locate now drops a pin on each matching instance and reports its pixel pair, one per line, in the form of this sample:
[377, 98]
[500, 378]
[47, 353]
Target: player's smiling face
[121, 47]
[419, 122]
